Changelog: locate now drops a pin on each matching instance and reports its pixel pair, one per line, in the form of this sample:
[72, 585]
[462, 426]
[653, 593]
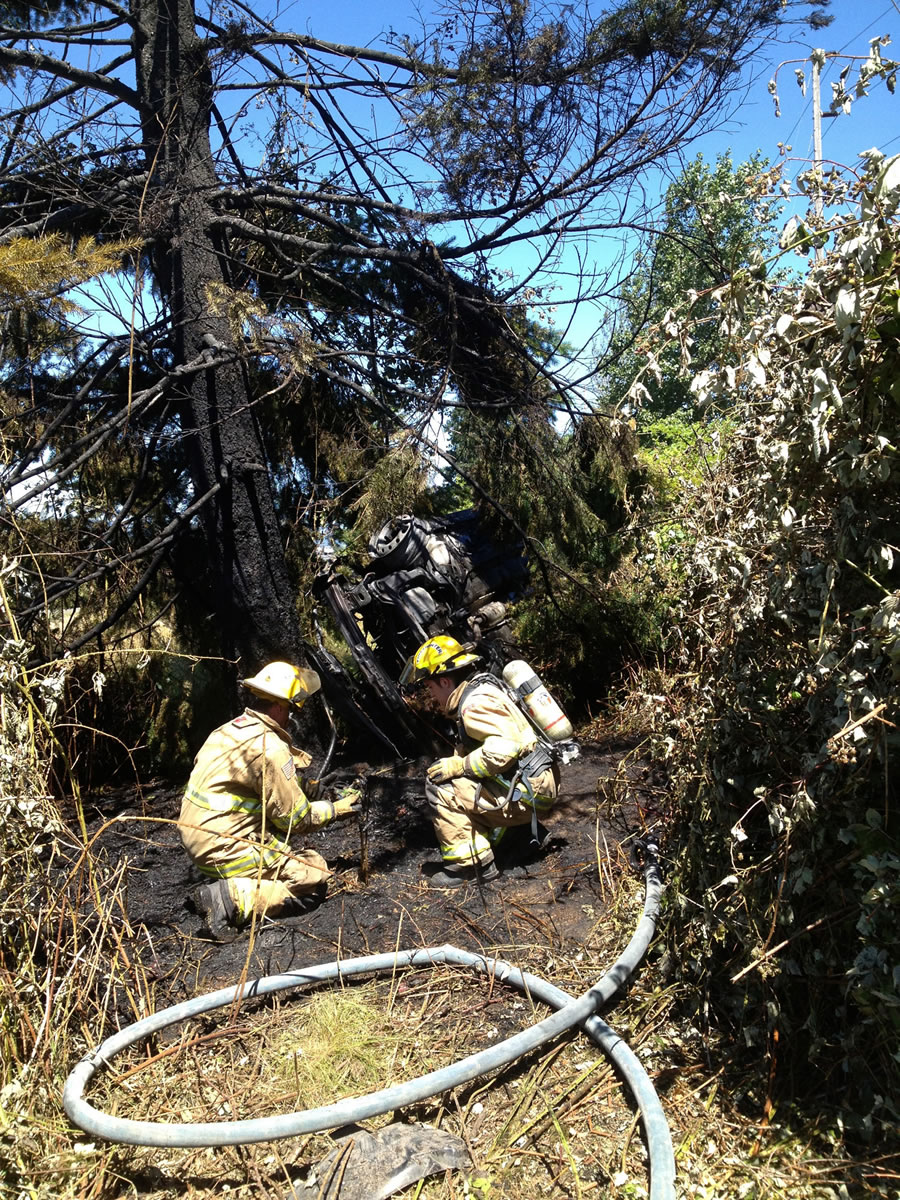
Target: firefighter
[499, 777]
[245, 798]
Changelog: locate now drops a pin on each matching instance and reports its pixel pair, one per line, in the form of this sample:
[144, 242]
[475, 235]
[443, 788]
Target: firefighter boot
[456, 877]
[215, 905]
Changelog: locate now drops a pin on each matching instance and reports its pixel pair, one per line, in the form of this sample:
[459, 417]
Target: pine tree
[344, 279]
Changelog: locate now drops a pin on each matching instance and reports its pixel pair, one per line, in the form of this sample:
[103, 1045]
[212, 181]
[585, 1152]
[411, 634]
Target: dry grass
[556, 1124]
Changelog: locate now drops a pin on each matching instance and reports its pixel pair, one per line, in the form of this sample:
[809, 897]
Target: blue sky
[754, 125]
[751, 126]
[873, 120]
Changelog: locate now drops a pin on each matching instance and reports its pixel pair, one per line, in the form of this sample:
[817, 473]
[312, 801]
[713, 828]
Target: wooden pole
[817, 58]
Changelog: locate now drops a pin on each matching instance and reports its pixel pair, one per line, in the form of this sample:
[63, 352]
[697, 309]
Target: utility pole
[817, 59]
[871, 67]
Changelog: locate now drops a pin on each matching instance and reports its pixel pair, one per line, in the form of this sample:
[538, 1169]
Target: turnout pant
[273, 889]
[468, 824]
[263, 875]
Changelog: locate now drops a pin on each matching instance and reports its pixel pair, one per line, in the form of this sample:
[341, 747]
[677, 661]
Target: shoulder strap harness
[532, 762]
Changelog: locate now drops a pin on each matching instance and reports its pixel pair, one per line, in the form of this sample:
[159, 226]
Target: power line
[866, 28]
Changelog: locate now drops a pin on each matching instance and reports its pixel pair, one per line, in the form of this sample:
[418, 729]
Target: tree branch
[60, 69]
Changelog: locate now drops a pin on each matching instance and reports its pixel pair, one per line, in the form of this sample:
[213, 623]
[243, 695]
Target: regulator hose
[570, 1012]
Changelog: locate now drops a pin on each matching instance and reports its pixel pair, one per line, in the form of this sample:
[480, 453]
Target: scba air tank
[544, 710]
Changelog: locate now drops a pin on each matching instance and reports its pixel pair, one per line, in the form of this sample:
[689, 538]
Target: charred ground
[564, 911]
[556, 894]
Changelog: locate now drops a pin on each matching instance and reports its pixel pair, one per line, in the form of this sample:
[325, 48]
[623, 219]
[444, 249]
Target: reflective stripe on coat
[243, 789]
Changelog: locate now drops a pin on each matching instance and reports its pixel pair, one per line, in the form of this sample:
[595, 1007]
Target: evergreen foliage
[35, 274]
[292, 312]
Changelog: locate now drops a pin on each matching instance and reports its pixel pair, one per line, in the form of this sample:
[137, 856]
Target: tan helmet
[438, 655]
[282, 681]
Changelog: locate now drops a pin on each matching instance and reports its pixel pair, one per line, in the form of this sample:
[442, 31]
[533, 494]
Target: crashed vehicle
[425, 575]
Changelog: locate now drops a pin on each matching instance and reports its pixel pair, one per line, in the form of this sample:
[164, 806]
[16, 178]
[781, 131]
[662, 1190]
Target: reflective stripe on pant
[275, 887]
[226, 845]
[466, 832]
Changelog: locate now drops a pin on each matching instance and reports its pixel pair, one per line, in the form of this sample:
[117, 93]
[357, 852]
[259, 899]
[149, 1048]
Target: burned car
[425, 575]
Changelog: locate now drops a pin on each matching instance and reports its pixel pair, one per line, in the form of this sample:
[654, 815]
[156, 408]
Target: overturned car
[425, 575]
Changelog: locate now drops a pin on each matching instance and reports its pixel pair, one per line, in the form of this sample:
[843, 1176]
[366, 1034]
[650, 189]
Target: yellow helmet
[438, 655]
[282, 681]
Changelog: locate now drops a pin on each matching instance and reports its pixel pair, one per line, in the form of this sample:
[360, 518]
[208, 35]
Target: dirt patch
[556, 895]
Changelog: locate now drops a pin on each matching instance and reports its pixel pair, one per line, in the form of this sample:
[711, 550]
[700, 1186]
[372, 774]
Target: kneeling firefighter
[245, 798]
[502, 774]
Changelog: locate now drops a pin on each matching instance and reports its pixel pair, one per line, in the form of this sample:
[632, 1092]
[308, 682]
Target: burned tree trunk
[223, 437]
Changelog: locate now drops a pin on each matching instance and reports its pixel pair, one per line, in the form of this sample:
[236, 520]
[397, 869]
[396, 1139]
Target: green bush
[777, 720]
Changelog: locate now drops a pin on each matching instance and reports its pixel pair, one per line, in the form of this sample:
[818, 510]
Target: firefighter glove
[446, 768]
[346, 800]
[312, 789]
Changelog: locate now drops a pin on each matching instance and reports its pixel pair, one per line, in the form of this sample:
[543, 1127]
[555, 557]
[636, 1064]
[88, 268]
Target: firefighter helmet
[282, 681]
[438, 655]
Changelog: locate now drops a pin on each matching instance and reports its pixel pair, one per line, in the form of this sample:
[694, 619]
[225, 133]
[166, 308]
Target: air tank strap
[534, 762]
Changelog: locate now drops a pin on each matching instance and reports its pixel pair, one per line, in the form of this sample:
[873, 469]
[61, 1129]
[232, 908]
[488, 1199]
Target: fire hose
[581, 1011]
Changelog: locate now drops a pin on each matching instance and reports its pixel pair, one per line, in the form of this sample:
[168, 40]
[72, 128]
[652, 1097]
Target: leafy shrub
[779, 707]
[583, 623]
